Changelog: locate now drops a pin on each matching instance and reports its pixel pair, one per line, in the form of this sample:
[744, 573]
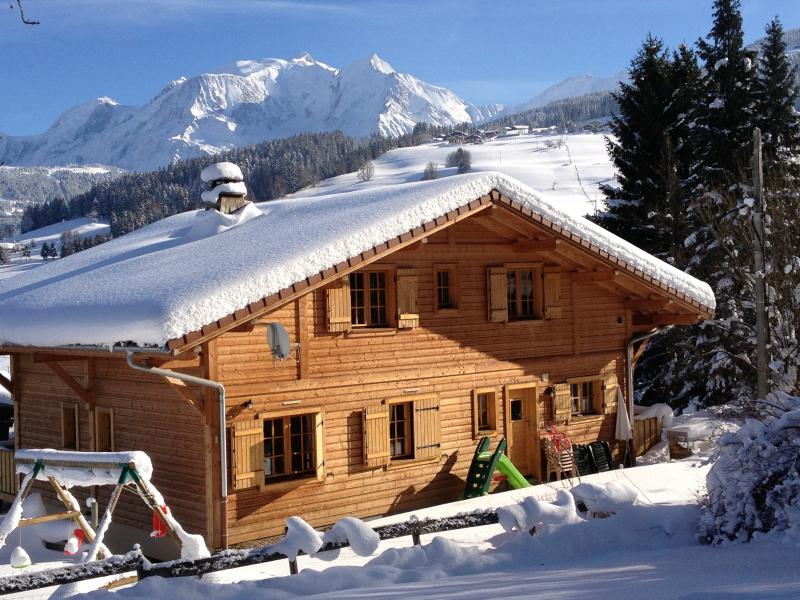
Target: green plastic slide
[514, 477]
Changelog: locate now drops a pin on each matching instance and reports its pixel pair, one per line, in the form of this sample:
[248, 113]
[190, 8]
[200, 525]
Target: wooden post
[80, 520]
[758, 260]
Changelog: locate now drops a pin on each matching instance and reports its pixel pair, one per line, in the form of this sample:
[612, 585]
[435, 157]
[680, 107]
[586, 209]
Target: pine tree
[645, 207]
[775, 97]
[717, 355]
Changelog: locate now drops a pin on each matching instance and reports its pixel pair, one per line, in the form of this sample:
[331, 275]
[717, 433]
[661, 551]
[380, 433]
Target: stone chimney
[226, 190]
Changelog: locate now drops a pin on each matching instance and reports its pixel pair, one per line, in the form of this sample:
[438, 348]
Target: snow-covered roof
[184, 272]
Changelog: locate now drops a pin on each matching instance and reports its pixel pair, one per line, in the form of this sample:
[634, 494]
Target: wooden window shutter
[562, 402]
[319, 445]
[497, 296]
[248, 454]
[376, 435]
[427, 428]
[609, 394]
[552, 295]
[407, 314]
[337, 301]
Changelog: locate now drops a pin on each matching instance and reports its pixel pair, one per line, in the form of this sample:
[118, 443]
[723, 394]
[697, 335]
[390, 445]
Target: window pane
[400, 429]
[511, 279]
[443, 289]
[273, 447]
[357, 300]
[526, 294]
[483, 412]
[377, 299]
[516, 410]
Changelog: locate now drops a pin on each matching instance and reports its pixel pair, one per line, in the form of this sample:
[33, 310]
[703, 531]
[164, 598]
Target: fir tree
[645, 206]
[775, 97]
[717, 355]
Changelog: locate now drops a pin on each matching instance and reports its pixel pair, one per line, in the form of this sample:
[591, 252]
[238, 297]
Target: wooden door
[521, 429]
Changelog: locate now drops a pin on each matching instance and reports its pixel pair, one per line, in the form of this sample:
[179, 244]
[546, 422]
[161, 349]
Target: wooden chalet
[498, 316]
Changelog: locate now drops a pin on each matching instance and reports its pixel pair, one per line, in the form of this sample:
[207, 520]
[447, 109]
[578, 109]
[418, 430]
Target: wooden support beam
[6, 383]
[81, 521]
[640, 350]
[646, 303]
[593, 276]
[184, 390]
[529, 246]
[82, 392]
[46, 357]
[659, 320]
[48, 518]
[501, 229]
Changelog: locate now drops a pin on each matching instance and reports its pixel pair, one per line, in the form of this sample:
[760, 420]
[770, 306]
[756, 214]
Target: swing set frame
[129, 478]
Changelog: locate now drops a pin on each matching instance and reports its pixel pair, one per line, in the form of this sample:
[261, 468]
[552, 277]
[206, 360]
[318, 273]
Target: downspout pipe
[223, 445]
[639, 337]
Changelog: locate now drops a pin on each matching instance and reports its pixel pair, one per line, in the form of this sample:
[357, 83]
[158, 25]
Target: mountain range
[251, 101]
[244, 103]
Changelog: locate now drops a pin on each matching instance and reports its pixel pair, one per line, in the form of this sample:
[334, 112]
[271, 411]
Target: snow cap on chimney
[226, 189]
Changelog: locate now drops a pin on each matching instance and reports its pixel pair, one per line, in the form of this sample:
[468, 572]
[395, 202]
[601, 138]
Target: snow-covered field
[647, 549]
[83, 227]
[566, 170]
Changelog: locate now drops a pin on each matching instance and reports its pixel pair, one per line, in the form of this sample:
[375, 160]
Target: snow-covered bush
[754, 487]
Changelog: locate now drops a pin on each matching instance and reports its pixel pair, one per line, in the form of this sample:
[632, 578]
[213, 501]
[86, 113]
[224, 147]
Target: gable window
[401, 430]
[69, 426]
[369, 299]
[277, 447]
[484, 411]
[378, 298]
[516, 293]
[520, 290]
[444, 283]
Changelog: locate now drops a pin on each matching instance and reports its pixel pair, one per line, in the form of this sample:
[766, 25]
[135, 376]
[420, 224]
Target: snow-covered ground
[83, 227]
[648, 548]
[565, 170]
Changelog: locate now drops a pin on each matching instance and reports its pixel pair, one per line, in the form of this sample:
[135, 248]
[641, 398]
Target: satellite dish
[278, 342]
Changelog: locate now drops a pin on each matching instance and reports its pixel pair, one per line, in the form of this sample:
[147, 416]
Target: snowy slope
[83, 227]
[577, 85]
[565, 170]
[243, 103]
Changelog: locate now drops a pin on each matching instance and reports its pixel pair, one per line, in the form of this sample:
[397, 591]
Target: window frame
[537, 281]
[597, 382]
[317, 435]
[491, 429]
[76, 424]
[413, 457]
[389, 274]
[408, 423]
[112, 442]
[451, 269]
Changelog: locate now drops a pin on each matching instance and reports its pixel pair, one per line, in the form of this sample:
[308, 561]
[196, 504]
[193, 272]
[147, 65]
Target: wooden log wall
[148, 415]
[451, 353]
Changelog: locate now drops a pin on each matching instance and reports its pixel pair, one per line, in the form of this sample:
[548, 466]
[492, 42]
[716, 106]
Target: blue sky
[485, 51]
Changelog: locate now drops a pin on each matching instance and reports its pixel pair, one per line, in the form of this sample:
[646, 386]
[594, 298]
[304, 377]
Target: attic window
[369, 299]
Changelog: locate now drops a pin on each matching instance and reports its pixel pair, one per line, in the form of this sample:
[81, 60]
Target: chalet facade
[492, 314]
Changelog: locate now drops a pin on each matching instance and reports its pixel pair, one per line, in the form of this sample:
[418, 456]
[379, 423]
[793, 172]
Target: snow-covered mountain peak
[380, 65]
[242, 103]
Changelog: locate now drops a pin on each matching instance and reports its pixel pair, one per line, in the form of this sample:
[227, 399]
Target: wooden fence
[646, 434]
[9, 482]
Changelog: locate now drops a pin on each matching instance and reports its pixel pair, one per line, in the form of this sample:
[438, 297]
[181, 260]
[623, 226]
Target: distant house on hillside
[515, 130]
[427, 315]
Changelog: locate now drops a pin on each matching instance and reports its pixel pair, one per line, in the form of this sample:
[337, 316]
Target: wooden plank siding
[148, 415]
[441, 355]
[451, 353]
